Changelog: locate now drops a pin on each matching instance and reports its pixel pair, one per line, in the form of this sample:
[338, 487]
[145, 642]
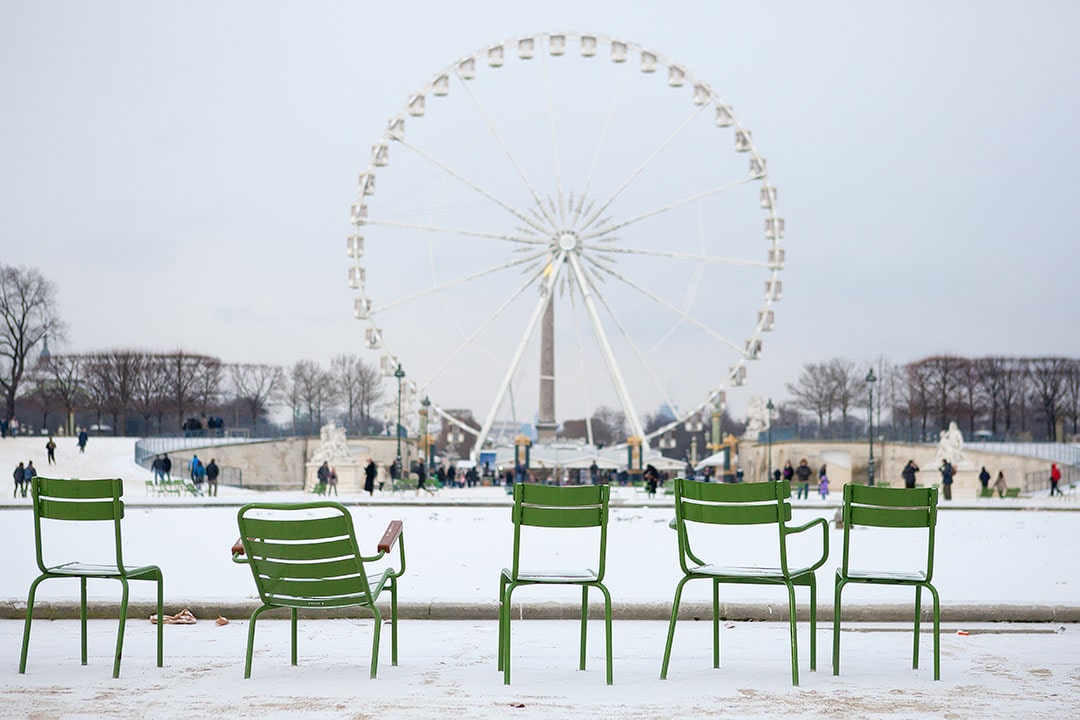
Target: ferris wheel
[563, 222]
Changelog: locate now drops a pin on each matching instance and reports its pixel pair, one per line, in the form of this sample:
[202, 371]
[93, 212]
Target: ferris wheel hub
[567, 240]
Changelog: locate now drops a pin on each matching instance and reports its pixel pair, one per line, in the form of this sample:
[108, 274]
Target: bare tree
[917, 395]
[358, 385]
[66, 381]
[255, 386]
[1048, 380]
[312, 390]
[187, 381]
[969, 389]
[149, 395]
[813, 392]
[1071, 399]
[848, 387]
[27, 314]
[609, 425]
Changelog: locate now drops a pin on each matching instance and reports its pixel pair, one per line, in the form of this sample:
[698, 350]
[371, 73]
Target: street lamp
[870, 380]
[694, 425]
[425, 439]
[400, 375]
[770, 407]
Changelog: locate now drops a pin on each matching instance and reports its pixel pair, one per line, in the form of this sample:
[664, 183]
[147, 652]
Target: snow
[457, 542]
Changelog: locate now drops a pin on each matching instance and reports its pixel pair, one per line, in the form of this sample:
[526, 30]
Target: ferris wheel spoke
[460, 281]
[554, 142]
[470, 184]
[599, 147]
[469, 341]
[506, 149]
[605, 349]
[523, 239]
[642, 168]
[676, 255]
[657, 382]
[679, 312]
[530, 327]
[670, 206]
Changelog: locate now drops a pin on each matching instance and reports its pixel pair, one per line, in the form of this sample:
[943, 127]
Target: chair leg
[716, 624]
[506, 633]
[375, 641]
[671, 627]
[120, 630]
[503, 620]
[251, 639]
[918, 622]
[82, 617]
[26, 626]
[836, 626]
[794, 632]
[293, 613]
[584, 624]
[937, 631]
[607, 628]
[160, 624]
[393, 622]
[813, 623]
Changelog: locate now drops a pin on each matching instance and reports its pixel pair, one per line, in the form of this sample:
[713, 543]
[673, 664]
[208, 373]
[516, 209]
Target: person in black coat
[370, 471]
[212, 472]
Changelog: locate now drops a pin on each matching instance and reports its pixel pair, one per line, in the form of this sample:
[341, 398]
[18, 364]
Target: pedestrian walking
[166, 467]
[28, 476]
[20, 477]
[212, 472]
[999, 484]
[1055, 478]
[50, 448]
[323, 475]
[370, 471]
[984, 478]
[158, 468]
[83, 438]
[333, 481]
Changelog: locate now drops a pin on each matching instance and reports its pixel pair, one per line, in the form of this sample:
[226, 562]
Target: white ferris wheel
[565, 221]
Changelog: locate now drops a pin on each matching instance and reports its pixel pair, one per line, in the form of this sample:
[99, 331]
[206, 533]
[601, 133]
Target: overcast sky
[183, 171]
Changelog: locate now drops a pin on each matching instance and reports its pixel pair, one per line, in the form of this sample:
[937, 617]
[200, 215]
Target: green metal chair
[304, 556]
[728, 504]
[544, 506]
[911, 508]
[89, 501]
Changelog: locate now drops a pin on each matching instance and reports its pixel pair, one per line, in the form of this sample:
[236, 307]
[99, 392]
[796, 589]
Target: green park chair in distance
[911, 508]
[742, 504]
[87, 501]
[304, 556]
[552, 507]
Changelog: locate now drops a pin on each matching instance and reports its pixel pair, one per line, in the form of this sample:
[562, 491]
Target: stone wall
[848, 460]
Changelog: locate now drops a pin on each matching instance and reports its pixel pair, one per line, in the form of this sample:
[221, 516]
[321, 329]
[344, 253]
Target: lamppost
[770, 407]
[425, 439]
[870, 380]
[694, 426]
[400, 375]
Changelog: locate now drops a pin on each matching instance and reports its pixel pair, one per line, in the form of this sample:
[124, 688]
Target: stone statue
[757, 418]
[950, 447]
[333, 446]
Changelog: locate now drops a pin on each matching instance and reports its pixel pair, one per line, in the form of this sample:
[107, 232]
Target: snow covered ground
[447, 668]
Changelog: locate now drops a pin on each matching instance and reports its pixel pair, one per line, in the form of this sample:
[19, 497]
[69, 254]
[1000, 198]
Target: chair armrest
[238, 551]
[393, 530]
[824, 539]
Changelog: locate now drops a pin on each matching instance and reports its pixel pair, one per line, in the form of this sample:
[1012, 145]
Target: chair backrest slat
[560, 517]
[79, 489]
[298, 527]
[734, 492]
[732, 514]
[888, 496]
[316, 569]
[59, 510]
[313, 590]
[895, 517]
[295, 551]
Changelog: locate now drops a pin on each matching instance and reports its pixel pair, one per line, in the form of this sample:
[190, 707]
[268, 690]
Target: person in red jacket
[1055, 478]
